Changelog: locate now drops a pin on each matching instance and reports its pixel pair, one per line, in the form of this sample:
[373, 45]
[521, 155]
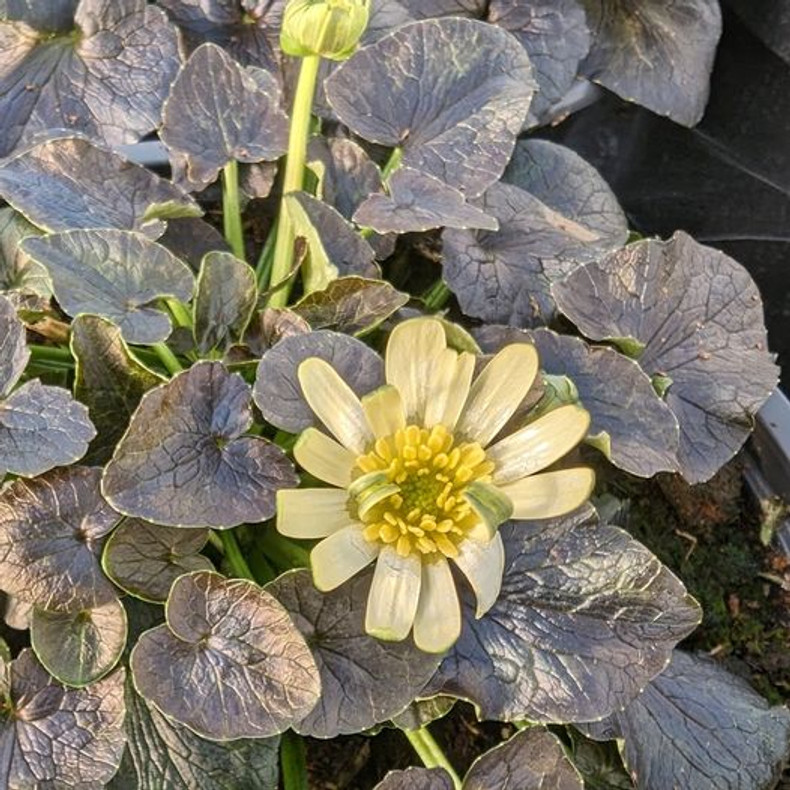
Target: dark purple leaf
[69, 183]
[532, 759]
[229, 663]
[99, 68]
[696, 725]
[586, 617]
[698, 317]
[277, 391]
[108, 380]
[21, 279]
[225, 298]
[248, 29]
[116, 274]
[51, 535]
[416, 779]
[145, 559]
[79, 648]
[13, 347]
[185, 461]
[364, 681]
[417, 202]
[58, 736]
[659, 55]
[191, 238]
[458, 92]
[351, 305]
[218, 112]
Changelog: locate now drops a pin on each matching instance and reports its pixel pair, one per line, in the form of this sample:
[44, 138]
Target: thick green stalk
[168, 358]
[431, 753]
[180, 313]
[437, 296]
[263, 271]
[231, 209]
[51, 356]
[234, 556]
[294, 175]
[293, 761]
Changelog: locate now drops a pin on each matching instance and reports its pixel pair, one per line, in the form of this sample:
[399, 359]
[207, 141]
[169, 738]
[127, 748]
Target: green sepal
[493, 507]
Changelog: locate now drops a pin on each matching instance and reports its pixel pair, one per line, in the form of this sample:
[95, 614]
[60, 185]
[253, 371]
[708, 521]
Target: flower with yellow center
[419, 481]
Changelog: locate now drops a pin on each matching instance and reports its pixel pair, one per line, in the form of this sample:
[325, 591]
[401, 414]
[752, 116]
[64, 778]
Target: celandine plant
[251, 499]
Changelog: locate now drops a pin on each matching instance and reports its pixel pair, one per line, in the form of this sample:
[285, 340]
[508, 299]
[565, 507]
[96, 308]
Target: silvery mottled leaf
[416, 779]
[418, 201]
[164, 754]
[108, 380]
[331, 237]
[586, 617]
[248, 29]
[116, 274]
[257, 180]
[42, 427]
[185, 462]
[351, 305]
[271, 325]
[13, 347]
[699, 317]
[191, 238]
[346, 174]
[105, 73]
[224, 300]
[58, 736]
[69, 183]
[53, 16]
[424, 9]
[619, 396]
[696, 725]
[51, 535]
[78, 648]
[277, 391]
[556, 37]
[145, 559]
[364, 681]
[659, 55]
[565, 182]
[532, 759]
[19, 276]
[483, 76]
[18, 613]
[229, 663]
[506, 276]
[218, 112]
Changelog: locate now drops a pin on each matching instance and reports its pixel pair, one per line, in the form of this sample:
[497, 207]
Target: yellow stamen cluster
[427, 514]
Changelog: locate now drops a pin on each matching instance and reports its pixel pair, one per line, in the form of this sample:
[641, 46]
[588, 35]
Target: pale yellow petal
[538, 444]
[411, 354]
[384, 410]
[311, 512]
[340, 556]
[448, 388]
[335, 404]
[498, 391]
[483, 564]
[394, 595]
[550, 494]
[437, 625]
[324, 458]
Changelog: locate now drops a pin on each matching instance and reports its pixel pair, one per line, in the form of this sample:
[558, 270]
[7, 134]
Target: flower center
[411, 490]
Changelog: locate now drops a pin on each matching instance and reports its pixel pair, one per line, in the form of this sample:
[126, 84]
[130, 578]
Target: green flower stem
[51, 356]
[180, 313]
[234, 556]
[393, 163]
[431, 753]
[263, 270]
[294, 175]
[231, 209]
[168, 358]
[436, 296]
[282, 553]
[293, 760]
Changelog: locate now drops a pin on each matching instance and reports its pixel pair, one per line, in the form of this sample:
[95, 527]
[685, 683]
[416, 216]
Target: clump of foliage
[208, 439]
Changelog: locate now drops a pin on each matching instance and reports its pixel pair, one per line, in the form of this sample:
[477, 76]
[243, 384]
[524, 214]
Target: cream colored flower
[418, 482]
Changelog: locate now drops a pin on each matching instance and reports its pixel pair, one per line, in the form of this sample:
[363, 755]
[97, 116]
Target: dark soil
[709, 536]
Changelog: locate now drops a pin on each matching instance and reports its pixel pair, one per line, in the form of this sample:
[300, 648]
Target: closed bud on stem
[329, 28]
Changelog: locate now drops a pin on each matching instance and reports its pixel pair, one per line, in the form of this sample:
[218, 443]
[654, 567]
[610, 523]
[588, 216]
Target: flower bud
[329, 28]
